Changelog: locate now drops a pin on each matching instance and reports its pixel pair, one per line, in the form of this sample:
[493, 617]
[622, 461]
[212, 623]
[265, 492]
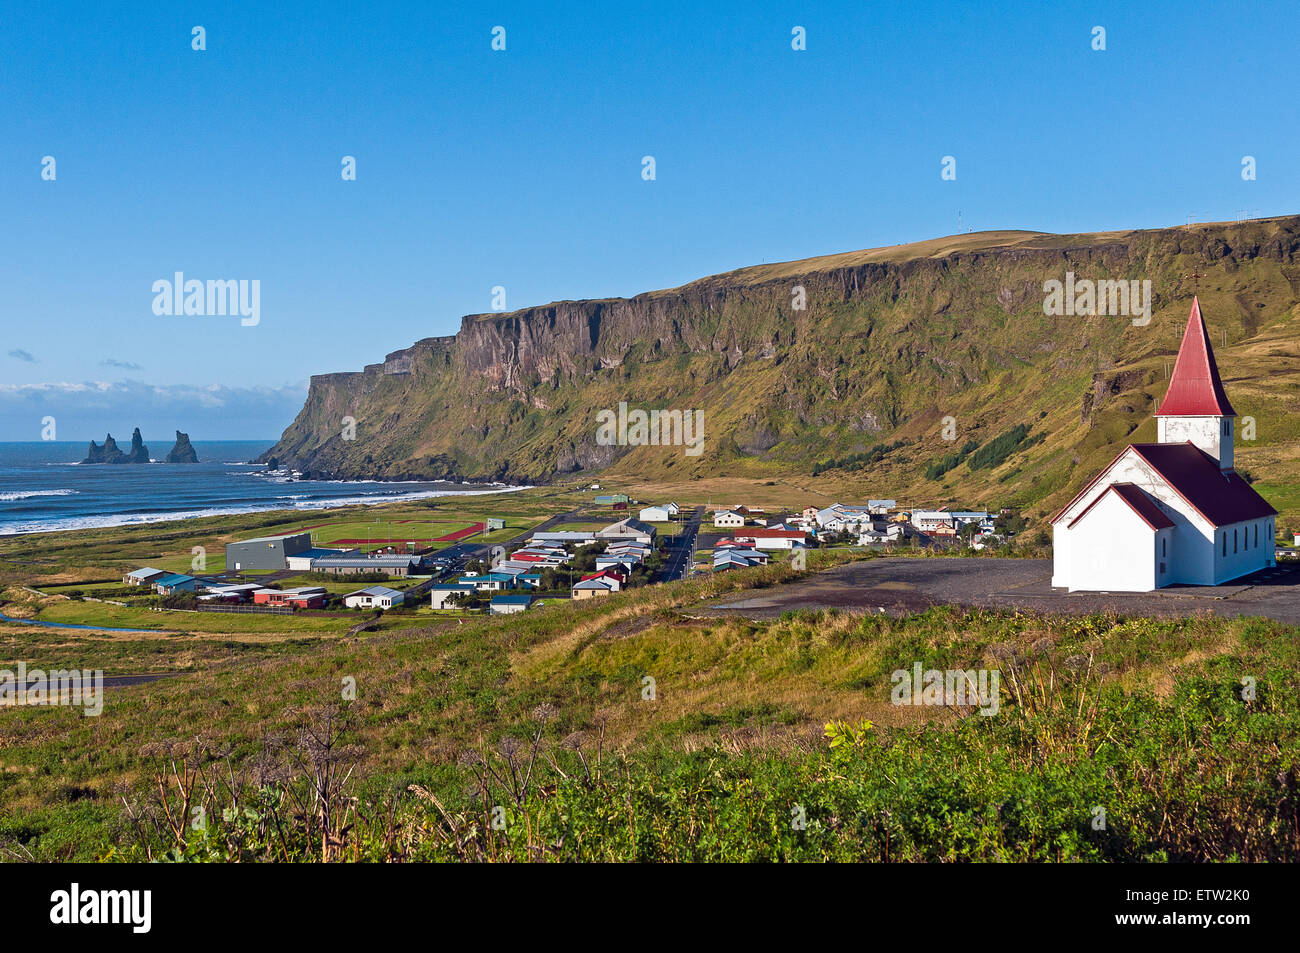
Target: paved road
[902, 584]
[681, 547]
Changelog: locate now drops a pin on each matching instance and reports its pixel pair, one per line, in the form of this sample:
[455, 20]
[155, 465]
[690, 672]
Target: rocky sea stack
[182, 451]
[111, 453]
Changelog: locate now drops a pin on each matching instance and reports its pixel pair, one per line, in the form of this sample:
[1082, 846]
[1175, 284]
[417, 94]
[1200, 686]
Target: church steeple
[1195, 407]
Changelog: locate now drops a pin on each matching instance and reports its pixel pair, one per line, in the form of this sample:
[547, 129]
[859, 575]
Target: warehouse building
[266, 553]
[302, 562]
[393, 565]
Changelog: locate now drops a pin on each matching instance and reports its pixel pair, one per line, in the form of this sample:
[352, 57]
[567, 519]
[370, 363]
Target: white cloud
[85, 409]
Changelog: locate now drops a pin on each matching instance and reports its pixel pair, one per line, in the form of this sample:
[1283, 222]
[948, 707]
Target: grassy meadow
[634, 728]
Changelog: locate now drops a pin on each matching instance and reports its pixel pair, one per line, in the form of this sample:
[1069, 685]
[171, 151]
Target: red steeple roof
[1195, 389]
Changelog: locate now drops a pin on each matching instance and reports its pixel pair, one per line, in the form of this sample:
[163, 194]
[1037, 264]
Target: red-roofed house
[1174, 511]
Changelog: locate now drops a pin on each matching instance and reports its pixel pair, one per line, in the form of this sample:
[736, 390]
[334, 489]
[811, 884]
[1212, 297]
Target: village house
[628, 561]
[488, 581]
[303, 597]
[230, 594]
[601, 583]
[728, 519]
[659, 514]
[935, 522]
[376, 597]
[891, 533]
[442, 596]
[174, 582]
[765, 538]
[843, 518]
[731, 554]
[1174, 511]
[509, 604]
[628, 529]
[146, 576]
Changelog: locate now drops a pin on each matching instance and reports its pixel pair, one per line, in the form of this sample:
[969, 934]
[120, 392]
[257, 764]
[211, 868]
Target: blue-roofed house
[508, 604]
[489, 581]
[174, 582]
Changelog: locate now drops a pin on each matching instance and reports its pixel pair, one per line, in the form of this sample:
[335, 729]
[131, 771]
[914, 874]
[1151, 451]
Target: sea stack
[110, 452]
[139, 452]
[182, 451]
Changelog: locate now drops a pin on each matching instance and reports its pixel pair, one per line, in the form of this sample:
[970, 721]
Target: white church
[1174, 511]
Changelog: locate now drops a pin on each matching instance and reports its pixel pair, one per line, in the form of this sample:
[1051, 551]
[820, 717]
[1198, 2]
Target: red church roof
[1222, 497]
[1195, 389]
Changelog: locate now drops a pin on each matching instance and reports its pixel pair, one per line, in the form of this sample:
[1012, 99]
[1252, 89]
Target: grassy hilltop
[855, 387]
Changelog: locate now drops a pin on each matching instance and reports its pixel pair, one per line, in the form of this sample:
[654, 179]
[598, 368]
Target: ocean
[43, 487]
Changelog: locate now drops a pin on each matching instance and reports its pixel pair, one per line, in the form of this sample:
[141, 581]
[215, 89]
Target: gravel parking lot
[899, 585]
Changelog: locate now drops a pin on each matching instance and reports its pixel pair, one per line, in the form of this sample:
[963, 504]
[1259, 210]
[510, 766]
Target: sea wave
[118, 519]
[8, 496]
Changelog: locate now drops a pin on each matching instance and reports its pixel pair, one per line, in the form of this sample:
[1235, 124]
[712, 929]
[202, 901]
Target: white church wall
[1245, 557]
[1112, 549]
[1062, 553]
[1191, 548]
[1191, 557]
[1204, 432]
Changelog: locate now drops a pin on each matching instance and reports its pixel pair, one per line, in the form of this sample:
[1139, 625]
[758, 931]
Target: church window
[1225, 542]
[1164, 546]
[1234, 541]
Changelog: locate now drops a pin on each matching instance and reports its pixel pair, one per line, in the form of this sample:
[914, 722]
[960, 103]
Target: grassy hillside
[545, 724]
[890, 343]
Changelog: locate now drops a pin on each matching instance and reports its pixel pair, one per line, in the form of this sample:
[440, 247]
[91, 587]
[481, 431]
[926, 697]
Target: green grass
[1153, 728]
[98, 613]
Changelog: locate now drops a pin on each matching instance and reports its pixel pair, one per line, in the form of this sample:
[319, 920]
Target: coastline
[81, 523]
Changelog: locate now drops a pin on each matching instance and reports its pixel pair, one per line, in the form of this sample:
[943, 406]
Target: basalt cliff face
[814, 361]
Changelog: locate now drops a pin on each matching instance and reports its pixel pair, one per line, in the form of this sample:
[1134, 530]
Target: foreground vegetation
[638, 727]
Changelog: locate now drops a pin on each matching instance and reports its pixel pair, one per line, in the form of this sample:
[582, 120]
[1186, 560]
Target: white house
[440, 597]
[659, 514]
[141, 576]
[935, 522]
[728, 518]
[771, 538]
[376, 597]
[1174, 511]
[628, 529]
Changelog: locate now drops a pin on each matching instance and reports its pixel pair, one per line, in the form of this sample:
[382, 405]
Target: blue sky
[522, 168]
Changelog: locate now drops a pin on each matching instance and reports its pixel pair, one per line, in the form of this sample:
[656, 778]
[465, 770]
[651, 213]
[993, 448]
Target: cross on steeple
[1196, 277]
